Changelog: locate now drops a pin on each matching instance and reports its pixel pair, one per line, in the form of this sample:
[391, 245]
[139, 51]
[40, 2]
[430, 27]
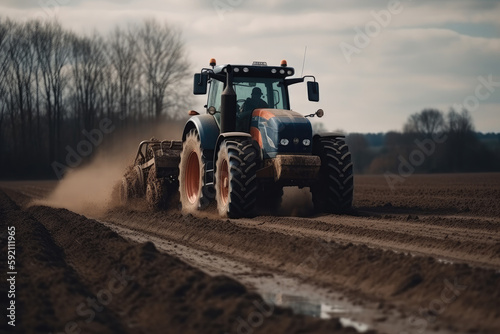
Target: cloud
[428, 55]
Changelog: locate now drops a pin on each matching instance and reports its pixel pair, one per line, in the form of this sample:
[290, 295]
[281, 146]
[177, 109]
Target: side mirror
[200, 83]
[313, 91]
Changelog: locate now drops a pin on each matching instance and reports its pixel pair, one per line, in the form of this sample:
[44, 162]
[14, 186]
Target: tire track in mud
[76, 275]
[410, 282]
[390, 252]
[415, 235]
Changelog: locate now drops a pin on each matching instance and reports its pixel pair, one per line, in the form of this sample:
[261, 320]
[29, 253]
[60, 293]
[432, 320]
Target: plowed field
[423, 258]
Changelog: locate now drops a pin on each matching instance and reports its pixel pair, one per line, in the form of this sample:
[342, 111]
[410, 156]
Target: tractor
[244, 149]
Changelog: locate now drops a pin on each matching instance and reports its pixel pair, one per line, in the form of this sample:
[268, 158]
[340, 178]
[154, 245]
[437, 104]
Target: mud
[76, 274]
[427, 253]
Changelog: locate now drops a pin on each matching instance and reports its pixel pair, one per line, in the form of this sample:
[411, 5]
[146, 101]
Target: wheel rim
[224, 182]
[192, 178]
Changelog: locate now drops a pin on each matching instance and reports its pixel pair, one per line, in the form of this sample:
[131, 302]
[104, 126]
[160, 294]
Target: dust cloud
[90, 189]
[87, 190]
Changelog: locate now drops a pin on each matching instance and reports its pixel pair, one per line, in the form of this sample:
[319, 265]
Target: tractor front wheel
[236, 178]
[333, 193]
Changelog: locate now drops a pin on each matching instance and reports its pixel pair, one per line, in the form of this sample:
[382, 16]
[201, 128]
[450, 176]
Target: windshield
[272, 89]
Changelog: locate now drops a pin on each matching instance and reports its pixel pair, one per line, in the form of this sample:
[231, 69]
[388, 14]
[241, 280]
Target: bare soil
[424, 257]
[76, 275]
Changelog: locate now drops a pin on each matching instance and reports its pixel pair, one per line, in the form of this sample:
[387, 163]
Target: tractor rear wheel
[236, 178]
[333, 193]
[192, 174]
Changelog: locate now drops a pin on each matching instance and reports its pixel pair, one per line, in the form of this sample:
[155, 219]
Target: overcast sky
[377, 62]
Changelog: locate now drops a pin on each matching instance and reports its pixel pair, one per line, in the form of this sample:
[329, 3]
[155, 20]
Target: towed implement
[244, 149]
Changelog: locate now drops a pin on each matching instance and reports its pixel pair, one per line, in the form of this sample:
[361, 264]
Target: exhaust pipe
[228, 104]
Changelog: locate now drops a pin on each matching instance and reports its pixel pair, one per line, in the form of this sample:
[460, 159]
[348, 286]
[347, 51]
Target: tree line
[57, 87]
[431, 142]
[61, 92]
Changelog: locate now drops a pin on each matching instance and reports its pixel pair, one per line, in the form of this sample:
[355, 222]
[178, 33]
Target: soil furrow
[393, 278]
[109, 284]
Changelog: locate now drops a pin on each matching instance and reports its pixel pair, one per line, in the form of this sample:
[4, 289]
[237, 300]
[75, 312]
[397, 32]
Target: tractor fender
[328, 135]
[227, 135]
[207, 129]
[318, 136]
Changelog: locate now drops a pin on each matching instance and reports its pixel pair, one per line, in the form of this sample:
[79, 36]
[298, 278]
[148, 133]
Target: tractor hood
[281, 132]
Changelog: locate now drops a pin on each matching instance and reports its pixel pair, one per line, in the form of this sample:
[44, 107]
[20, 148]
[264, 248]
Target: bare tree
[426, 122]
[52, 47]
[12, 73]
[459, 123]
[164, 65]
[23, 66]
[5, 34]
[88, 61]
[122, 54]
[460, 139]
[54, 84]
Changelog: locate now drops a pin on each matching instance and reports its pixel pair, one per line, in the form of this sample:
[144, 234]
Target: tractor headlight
[306, 142]
[284, 141]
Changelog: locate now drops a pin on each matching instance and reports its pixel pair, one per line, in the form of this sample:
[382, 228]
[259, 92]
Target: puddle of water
[318, 309]
[360, 327]
[444, 261]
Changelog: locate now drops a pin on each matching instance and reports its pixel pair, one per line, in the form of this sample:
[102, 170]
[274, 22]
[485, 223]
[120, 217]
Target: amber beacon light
[284, 63]
[213, 62]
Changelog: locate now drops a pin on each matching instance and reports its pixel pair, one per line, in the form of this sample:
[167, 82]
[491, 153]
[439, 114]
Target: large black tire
[192, 175]
[333, 193]
[236, 178]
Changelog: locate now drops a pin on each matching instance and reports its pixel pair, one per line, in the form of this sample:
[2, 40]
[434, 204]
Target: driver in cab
[251, 103]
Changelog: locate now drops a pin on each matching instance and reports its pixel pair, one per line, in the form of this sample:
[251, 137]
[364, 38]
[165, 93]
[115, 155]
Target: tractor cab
[251, 93]
[256, 86]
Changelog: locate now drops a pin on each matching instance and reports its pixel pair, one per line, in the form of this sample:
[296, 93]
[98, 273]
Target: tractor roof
[257, 69]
